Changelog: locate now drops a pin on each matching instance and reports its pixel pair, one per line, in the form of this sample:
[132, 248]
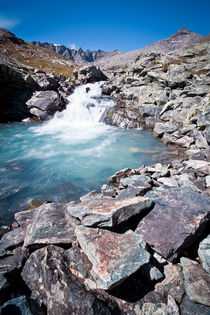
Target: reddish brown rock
[47, 275]
[178, 218]
[197, 281]
[108, 213]
[47, 224]
[114, 256]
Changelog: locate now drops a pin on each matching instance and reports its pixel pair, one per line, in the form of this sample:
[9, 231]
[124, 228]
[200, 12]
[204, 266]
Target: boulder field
[140, 245]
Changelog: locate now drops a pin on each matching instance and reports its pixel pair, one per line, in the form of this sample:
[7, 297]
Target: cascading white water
[81, 118]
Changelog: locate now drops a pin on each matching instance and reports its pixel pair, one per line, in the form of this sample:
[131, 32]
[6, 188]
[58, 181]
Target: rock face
[197, 282]
[56, 287]
[48, 224]
[44, 104]
[175, 220]
[108, 213]
[114, 256]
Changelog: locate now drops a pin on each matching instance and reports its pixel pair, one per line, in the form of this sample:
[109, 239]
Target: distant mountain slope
[177, 40]
[14, 48]
[78, 56]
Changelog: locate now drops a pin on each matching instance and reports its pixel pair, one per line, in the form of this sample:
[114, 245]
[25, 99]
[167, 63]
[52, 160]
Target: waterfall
[82, 116]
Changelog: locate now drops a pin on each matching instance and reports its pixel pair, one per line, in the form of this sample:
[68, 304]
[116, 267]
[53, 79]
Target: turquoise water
[60, 168]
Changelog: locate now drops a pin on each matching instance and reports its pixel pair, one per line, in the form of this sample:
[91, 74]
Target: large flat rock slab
[108, 213]
[47, 224]
[114, 256]
[176, 221]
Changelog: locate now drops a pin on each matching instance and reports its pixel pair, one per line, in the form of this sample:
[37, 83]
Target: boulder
[178, 218]
[45, 103]
[12, 239]
[47, 224]
[161, 128]
[10, 264]
[90, 74]
[173, 284]
[196, 281]
[114, 256]
[204, 253]
[106, 212]
[46, 273]
[188, 307]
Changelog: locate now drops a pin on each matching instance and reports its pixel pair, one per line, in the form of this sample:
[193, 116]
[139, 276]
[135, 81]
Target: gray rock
[196, 281]
[154, 309]
[167, 181]
[188, 307]
[176, 221]
[12, 239]
[161, 128]
[198, 165]
[204, 253]
[185, 141]
[135, 180]
[108, 212]
[47, 224]
[45, 103]
[46, 273]
[90, 74]
[114, 256]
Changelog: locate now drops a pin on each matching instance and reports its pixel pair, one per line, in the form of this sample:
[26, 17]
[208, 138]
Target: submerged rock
[114, 256]
[176, 221]
[108, 213]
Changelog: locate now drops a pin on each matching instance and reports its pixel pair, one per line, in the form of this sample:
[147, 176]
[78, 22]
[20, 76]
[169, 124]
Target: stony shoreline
[141, 245]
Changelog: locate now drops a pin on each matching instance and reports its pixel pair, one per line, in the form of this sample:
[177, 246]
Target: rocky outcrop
[89, 74]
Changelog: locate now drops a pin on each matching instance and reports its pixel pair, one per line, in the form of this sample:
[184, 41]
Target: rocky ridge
[141, 244]
[79, 56]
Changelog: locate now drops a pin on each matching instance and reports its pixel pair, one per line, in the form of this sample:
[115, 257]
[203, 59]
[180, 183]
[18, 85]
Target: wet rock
[45, 103]
[161, 128]
[114, 256]
[178, 218]
[196, 281]
[173, 284]
[204, 253]
[12, 239]
[47, 224]
[47, 275]
[188, 307]
[108, 213]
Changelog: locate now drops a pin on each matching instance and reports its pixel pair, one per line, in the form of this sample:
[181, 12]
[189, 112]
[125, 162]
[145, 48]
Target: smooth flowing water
[69, 155]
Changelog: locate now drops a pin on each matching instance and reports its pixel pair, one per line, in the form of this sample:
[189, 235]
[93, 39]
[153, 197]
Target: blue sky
[108, 25]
